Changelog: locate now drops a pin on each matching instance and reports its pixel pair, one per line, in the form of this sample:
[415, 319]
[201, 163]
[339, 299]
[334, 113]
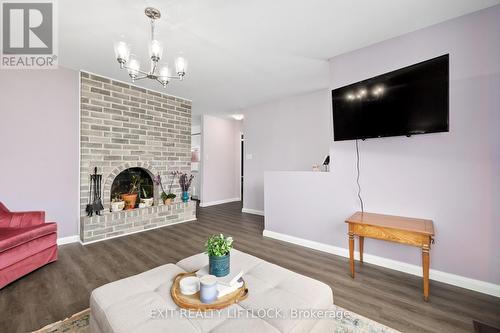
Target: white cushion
[125, 306]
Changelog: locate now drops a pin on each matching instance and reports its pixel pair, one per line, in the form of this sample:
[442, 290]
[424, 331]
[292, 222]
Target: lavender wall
[39, 134]
[291, 134]
[220, 151]
[452, 178]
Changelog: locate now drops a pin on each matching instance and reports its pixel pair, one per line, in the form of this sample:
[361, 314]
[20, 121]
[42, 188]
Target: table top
[395, 222]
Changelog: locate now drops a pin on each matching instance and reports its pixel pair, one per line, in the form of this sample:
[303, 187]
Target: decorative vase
[168, 201]
[185, 196]
[218, 266]
[130, 200]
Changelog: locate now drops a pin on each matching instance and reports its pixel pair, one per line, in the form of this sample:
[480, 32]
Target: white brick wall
[125, 126]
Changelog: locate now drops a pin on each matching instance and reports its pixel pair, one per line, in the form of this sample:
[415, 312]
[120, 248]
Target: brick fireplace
[128, 129]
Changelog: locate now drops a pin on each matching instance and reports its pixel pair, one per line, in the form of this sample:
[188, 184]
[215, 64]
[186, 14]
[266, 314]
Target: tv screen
[408, 101]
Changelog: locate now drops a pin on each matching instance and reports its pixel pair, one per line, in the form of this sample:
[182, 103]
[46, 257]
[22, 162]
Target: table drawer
[393, 235]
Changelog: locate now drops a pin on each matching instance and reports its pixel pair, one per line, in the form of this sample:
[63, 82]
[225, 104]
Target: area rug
[77, 323]
[353, 323]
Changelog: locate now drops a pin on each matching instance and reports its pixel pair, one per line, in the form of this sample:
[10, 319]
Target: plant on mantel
[169, 197]
[130, 198]
[134, 185]
[117, 204]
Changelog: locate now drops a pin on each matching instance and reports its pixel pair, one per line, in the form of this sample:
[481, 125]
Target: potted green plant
[218, 248]
[117, 204]
[130, 198]
[146, 199]
[166, 198]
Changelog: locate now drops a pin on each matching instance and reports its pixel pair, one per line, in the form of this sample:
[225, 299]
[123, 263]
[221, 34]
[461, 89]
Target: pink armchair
[26, 243]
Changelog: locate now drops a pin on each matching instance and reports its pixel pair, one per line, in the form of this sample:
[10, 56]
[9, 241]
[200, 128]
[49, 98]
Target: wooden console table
[405, 230]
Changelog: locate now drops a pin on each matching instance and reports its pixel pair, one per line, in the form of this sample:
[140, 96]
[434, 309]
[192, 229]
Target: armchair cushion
[26, 243]
[10, 219]
[15, 256]
[12, 237]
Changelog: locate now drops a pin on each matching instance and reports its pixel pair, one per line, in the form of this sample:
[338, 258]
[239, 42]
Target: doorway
[242, 160]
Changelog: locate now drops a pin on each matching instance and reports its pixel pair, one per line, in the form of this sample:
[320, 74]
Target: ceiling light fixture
[238, 116]
[132, 65]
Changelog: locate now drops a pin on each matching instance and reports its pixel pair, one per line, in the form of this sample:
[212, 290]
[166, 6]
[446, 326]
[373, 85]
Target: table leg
[361, 246]
[425, 267]
[351, 253]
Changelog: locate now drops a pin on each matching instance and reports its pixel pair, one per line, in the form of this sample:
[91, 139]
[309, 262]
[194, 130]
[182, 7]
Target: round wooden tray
[193, 302]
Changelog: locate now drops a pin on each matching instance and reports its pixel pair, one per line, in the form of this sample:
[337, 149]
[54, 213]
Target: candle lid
[208, 280]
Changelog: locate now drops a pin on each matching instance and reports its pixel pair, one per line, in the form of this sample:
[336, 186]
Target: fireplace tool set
[95, 202]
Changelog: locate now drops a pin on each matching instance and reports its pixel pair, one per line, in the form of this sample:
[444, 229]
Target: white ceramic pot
[117, 206]
[148, 202]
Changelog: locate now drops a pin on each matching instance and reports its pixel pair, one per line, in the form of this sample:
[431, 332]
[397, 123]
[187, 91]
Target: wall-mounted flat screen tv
[412, 100]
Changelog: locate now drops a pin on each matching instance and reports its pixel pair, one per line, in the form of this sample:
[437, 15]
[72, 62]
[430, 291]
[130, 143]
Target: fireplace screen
[133, 180]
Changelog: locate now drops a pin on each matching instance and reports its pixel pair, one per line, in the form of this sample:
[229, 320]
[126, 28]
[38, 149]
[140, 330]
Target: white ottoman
[127, 305]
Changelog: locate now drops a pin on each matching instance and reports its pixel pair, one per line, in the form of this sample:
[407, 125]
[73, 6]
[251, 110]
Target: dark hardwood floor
[58, 290]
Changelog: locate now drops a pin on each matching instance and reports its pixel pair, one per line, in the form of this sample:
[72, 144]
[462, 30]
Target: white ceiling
[242, 52]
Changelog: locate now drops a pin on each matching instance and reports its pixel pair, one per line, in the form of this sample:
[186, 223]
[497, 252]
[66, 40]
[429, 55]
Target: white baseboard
[68, 239]
[136, 232]
[218, 202]
[252, 211]
[453, 279]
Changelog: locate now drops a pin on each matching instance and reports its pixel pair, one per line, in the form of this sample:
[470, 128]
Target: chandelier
[162, 74]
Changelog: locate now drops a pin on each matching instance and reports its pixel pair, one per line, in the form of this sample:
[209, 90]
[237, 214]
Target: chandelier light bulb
[155, 50]
[133, 67]
[122, 52]
[164, 74]
[180, 66]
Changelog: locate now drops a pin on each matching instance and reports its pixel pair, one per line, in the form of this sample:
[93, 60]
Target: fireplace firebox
[123, 182]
